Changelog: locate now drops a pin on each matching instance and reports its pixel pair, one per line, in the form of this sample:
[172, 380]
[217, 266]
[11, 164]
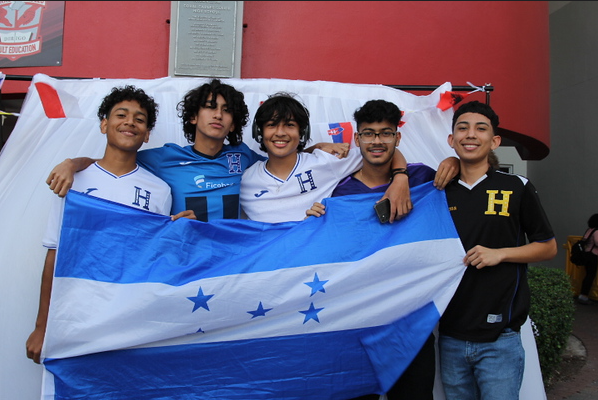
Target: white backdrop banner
[38, 143]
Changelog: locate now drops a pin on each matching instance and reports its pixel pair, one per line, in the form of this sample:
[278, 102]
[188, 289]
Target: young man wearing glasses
[282, 187]
[377, 140]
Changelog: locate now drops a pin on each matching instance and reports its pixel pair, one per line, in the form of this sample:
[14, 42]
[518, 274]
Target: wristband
[397, 171]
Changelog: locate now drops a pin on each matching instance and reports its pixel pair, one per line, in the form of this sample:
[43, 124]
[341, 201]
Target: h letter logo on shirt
[310, 180]
[234, 163]
[493, 201]
[138, 196]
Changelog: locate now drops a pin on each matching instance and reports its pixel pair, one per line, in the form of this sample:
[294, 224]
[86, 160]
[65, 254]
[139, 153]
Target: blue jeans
[488, 371]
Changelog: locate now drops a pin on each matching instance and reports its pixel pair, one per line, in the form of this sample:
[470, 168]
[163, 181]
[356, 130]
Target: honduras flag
[326, 308]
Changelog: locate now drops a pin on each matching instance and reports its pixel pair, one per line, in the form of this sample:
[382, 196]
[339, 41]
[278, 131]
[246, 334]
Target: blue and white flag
[327, 308]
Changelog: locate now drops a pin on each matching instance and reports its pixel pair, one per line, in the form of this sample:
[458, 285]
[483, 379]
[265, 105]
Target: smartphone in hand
[383, 210]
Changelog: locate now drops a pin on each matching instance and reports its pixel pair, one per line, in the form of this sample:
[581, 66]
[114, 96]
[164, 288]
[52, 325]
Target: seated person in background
[591, 247]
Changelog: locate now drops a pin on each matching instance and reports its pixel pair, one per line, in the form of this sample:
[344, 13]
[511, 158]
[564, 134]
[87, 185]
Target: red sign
[31, 32]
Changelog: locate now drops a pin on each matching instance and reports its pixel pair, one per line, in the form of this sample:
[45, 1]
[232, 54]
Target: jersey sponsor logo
[303, 182]
[234, 163]
[217, 185]
[502, 204]
[341, 132]
[260, 194]
[142, 198]
[185, 162]
[199, 179]
[200, 182]
[89, 190]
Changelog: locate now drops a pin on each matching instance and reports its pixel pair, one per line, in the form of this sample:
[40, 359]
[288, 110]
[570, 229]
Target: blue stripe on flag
[182, 251]
[331, 307]
[330, 365]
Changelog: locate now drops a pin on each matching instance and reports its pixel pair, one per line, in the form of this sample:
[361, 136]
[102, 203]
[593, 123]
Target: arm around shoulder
[447, 170]
[341, 150]
[398, 191]
[62, 176]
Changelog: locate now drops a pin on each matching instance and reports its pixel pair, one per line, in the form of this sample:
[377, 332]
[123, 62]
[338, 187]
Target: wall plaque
[206, 38]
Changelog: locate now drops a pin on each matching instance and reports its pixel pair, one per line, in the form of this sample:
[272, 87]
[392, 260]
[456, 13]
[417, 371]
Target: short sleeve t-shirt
[500, 210]
[418, 174]
[207, 185]
[267, 198]
[138, 188]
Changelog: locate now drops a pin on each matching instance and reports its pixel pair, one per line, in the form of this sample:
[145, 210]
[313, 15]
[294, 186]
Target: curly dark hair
[198, 97]
[129, 93]
[282, 106]
[477, 108]
[593, 221]
[377, 111]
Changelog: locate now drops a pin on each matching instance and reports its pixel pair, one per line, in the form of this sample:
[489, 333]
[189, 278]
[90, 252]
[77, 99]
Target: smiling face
[213, 122]
[281, 139]
[473, 138]
[377, 152]
[126, 126]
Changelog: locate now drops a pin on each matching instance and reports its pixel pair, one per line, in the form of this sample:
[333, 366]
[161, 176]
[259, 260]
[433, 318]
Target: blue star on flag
[311, 313]
[201, 300]
[316, 285]
[260, 312]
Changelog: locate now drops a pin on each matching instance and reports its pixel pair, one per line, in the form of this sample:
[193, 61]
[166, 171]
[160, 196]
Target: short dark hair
[377, 111]
[281, 106]
[129, 93]
[198, 97]
[477, 108]
[593, 221]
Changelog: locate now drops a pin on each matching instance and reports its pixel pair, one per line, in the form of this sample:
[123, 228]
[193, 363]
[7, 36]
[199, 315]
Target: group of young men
[480, 349]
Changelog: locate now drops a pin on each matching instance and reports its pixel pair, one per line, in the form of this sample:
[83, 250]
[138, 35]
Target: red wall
[504, 43]
[105, 39]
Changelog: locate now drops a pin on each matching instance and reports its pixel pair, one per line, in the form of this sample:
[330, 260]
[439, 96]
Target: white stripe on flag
[352, 295]
[333, 307]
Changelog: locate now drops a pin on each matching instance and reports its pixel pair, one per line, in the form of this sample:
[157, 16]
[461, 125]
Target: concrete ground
[579, 378]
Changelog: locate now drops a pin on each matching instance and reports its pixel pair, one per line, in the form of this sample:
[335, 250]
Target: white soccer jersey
[139, 188]
[267, 198]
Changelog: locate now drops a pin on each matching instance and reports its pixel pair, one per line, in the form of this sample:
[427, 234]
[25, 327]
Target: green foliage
[551, 313]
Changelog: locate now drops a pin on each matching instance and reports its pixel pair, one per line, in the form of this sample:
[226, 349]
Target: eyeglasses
[385, 136]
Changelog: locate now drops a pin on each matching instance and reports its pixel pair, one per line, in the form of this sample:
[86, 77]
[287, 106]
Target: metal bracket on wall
[486, 88]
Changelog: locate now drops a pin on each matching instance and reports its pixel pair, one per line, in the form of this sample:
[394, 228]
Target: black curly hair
[377, 111]
[198, 97]
[129, 93]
